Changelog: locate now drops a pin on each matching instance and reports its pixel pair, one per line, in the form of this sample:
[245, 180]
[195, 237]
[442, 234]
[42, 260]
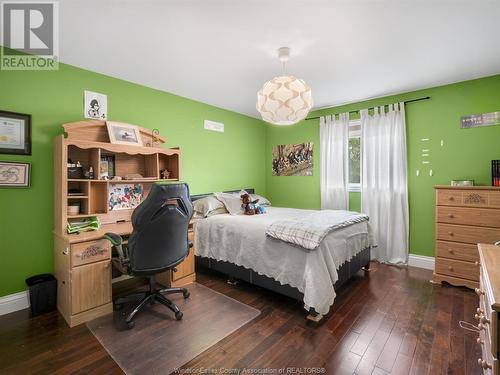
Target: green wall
[465, 154]
[239, 157]
[211, 161]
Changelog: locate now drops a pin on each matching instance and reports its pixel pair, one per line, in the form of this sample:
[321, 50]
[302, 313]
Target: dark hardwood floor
[393, 320]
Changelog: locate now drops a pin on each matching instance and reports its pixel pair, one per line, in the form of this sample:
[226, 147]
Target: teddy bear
[249, 206]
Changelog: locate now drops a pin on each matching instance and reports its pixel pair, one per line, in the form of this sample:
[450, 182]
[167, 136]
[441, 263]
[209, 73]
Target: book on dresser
[82, 259]
[465, 216]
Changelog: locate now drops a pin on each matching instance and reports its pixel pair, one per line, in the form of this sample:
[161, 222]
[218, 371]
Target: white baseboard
[14, 302]
[421, 261]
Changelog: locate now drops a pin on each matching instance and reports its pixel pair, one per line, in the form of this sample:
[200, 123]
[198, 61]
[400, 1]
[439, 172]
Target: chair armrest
[117, 241]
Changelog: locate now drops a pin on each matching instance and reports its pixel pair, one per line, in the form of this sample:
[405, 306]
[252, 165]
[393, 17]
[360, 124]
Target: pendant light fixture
[284, 100]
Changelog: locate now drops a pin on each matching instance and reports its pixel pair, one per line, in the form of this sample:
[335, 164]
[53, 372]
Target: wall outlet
[214, 126]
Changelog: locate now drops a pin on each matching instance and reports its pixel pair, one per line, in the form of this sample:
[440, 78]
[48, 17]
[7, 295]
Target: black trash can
[43, 293]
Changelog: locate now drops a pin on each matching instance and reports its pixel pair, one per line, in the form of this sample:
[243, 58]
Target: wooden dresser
[465, 216]
[489, 308]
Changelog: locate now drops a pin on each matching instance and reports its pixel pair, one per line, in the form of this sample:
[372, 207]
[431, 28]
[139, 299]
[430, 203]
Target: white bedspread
[242, 240]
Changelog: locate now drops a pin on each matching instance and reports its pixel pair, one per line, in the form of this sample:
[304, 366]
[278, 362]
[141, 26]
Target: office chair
[158, 243]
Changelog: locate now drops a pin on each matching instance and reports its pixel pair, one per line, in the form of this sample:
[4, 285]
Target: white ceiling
[221, 51]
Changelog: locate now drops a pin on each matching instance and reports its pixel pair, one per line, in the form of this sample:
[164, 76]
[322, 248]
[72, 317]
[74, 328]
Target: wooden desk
[82, 262]
[83, 272]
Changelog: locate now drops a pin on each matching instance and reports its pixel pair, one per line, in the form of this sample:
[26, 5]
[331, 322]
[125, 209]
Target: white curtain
[334, 143]
[384, 188]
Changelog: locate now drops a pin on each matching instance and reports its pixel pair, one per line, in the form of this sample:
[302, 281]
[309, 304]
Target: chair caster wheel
[178, 315]
[130, 324]
[186, 294]
[117, 306]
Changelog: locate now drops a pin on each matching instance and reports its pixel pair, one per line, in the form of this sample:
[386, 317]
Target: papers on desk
[83, 225]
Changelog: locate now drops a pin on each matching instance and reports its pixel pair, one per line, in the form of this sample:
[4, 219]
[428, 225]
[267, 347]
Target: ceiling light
[284, 100]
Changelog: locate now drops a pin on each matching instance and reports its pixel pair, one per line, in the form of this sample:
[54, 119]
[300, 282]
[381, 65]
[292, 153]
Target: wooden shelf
[84, 180]
[80, 216]
[78, 196]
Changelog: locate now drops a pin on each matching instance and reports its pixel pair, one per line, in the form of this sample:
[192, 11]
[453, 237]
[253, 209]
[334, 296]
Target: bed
[238, 247]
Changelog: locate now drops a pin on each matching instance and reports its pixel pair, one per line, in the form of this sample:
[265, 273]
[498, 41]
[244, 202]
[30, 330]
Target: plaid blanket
[309, 230]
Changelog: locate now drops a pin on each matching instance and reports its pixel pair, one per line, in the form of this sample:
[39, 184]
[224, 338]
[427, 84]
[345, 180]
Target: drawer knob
[479, 292]
[450, 233]
[451, 251]
[451, 198]
[451, 216]
[485, 365]
[484, 320]
[477, 263]
[450, 268]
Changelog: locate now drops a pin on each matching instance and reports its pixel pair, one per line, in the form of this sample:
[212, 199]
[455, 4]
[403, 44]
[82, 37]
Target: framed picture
[13, 174]
[293, 159]
[124, 134]
[124, 196]
[95, 105]
[15, 133]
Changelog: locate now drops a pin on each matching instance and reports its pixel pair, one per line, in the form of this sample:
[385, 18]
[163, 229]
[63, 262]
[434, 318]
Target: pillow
[231, 201]
[209, 206]
[263, 201]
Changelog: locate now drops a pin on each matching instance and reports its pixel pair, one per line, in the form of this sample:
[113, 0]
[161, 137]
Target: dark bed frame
[346, 271]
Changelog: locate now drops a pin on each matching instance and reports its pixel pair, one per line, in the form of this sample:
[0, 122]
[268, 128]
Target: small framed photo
[15, 133]
[95, 105]
[124, 134]
[13, 174]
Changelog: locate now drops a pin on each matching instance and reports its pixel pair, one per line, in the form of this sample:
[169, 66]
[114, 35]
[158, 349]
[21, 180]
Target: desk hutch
[83, 261]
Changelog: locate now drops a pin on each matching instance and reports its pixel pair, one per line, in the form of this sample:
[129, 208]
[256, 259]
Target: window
[354, 155]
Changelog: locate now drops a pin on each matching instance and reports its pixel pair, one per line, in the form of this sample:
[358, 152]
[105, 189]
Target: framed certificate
[15, 133]
[14, 174]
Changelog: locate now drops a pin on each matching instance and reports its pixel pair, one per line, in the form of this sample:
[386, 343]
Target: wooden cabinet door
[90, 286]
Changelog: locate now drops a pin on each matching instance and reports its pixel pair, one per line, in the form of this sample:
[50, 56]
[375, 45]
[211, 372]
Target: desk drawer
[90, 252]
[457, 250]
[467, 234]
[484, 217]
[457, 268]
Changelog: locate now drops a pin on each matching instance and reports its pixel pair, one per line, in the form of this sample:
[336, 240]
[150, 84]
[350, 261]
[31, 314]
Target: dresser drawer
[457, 268]
[467, 234]
[457, 250]
[90, 252]
[491, 322]
[468, 198]
[485, 217]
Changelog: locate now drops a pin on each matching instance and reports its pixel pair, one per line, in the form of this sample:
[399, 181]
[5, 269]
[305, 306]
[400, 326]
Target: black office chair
[158, 243]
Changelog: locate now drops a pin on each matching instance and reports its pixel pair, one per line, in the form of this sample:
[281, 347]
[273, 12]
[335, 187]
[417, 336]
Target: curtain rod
[357, 111]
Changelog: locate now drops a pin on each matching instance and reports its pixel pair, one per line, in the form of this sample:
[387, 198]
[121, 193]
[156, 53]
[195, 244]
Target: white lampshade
[284, 100]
